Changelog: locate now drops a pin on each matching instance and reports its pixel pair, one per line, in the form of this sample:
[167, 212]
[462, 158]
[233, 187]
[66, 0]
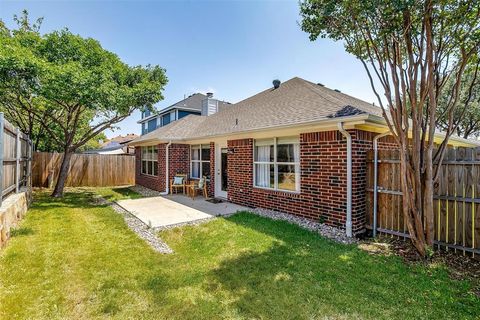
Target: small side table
[190, 189]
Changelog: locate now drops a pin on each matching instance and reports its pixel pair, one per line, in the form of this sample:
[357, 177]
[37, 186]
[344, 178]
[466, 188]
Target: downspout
[375, 179]
[348, 225]
[167, 168]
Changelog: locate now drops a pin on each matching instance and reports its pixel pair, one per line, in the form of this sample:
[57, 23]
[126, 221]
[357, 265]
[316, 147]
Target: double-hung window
[277, 164]
[150, 160]
[200, 161]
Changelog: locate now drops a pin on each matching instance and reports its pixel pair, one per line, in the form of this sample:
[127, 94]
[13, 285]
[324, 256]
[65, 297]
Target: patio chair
[200, 186]
[179, 181]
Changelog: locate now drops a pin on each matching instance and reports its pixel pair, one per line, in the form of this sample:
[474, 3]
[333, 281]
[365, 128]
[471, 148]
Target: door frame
[219, 193]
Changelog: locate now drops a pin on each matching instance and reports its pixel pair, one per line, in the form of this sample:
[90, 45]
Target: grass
[115, 194]
[73, 259]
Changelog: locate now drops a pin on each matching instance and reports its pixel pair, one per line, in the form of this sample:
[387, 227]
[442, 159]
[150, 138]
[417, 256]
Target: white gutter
[375, 179]
[167, 168]
[348, 224]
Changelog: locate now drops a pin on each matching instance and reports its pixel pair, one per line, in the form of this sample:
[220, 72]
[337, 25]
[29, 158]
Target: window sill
[278, 192]
[149, 175]
[191, 178]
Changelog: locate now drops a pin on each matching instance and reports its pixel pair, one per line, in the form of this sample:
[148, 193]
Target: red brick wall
[323, 178]
[179, 163]
[152, 182]
[179, 155]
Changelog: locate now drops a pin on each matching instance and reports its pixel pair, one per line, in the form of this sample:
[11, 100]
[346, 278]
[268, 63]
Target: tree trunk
[411, 212]
[428, 198]
[63, 174]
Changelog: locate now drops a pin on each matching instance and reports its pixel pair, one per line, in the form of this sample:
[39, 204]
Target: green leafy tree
[73, 87]
[410, 49]
[468, 120]
[94, 143]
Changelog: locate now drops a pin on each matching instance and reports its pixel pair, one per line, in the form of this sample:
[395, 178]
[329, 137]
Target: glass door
[224, 171]
[221, 170]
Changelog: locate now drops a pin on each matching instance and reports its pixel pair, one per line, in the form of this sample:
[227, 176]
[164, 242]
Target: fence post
[2, 136]
[29, 164]
[17, 159]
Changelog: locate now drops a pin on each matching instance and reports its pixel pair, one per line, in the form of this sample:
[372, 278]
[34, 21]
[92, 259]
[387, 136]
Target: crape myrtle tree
[78, 89]
[411, 50]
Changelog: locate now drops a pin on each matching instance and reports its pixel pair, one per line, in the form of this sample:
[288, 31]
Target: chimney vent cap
[209, 94]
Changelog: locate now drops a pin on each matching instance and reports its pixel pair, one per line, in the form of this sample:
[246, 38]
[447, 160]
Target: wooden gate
[456, 198]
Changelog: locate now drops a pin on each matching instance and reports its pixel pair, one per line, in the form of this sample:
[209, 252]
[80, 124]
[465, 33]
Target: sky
[231, 48]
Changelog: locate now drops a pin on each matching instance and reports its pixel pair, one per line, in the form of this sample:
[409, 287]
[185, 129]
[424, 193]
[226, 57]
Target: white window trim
[275, 168]
[200, 146]
[154, 161]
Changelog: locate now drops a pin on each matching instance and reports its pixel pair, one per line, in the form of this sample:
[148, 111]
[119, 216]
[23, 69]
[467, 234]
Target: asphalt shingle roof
[296, 101]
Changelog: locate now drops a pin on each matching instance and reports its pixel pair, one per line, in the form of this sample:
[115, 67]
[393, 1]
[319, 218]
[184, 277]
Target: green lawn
[73, 259]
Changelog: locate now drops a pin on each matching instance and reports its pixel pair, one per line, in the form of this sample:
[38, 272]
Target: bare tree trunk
[412, 214]
[63, 174]
[428, 198]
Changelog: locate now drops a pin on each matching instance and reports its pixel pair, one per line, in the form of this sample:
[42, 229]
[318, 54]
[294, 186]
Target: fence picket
[86, 170]
[456, 199]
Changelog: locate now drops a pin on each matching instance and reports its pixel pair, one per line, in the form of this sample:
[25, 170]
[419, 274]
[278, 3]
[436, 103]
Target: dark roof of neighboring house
[296, 101]
[120, 139]
[194, 102]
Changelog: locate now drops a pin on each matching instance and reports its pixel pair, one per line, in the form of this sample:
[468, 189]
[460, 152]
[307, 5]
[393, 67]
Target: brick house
[298, 147]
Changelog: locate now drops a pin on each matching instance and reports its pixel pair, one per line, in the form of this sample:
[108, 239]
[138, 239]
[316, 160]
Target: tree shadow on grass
[21, 231]
[84, 199]
[304, 276]
[127, 192]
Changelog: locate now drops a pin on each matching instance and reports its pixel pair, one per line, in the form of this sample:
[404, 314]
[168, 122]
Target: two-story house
[196, 104]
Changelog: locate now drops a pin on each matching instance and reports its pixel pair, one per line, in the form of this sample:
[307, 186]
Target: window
[146, 113]
[277, 164]
[200, 161]
[152, 125]
[182, 113]
[165, 119]
[150, 160]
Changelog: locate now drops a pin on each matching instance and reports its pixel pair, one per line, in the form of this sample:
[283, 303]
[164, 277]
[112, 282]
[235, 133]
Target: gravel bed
[140, 228]
[145, 191]
[321, 228]
[188, 223]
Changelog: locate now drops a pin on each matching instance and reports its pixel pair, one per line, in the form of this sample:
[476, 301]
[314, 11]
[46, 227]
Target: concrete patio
[158, 212]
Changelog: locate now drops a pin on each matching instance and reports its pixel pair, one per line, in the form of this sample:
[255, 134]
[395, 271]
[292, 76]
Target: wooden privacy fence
[15, 159]
[86, 170]
[456, 198]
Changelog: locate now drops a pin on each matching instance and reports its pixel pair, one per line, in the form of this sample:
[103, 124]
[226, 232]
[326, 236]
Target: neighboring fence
[86, 170]
[15, 159]
[456, 199]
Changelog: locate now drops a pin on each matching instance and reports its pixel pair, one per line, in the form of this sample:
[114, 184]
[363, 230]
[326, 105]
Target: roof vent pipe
[276, 83]
[209, 94]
